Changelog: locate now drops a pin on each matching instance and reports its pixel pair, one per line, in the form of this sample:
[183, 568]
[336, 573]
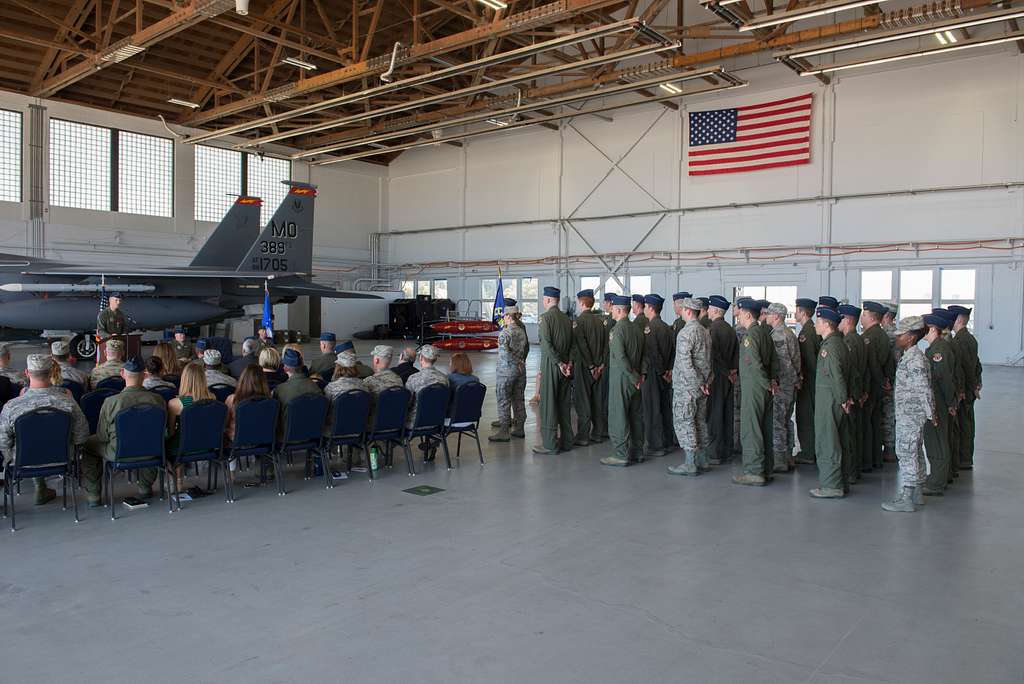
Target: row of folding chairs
[43, 445]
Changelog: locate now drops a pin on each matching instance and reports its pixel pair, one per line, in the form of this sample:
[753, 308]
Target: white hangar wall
[949, 131]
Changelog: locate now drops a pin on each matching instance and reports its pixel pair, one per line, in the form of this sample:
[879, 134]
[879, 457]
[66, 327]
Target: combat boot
[684, 469]
[517, 430]
[904, 503]
[918, 496]
[614, 461]
[44, 494]
[928, 491]
[749, 480]
[495, 423]
[501, 435]
[827, 493]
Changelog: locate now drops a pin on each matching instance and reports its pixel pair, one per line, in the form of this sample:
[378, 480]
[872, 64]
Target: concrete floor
[538, 569]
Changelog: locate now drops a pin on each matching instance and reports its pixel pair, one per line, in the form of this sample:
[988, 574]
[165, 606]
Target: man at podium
[111, 325]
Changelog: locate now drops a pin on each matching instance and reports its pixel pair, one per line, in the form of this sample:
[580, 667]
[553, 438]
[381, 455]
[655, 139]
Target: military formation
[849, 389]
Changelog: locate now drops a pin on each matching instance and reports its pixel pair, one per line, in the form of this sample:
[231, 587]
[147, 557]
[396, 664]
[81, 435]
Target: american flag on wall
[750, 138]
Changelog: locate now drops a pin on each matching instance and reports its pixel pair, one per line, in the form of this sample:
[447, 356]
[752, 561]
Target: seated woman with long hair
[155, 374]
[168, 359]
[252, 384]
[193, 388]
[270, 364]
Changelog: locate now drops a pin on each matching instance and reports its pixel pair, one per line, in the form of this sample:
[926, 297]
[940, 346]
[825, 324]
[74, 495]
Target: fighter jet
[228, 273]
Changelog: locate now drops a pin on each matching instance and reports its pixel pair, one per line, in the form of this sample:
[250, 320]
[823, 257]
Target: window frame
[110, 180]
[116, 172]
[19, 165]
[244, 185]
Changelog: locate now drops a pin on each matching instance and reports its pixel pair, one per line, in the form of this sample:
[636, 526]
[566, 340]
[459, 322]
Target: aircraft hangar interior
[512, 341]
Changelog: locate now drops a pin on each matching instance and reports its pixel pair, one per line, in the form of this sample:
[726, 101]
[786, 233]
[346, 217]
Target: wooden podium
[132, 346]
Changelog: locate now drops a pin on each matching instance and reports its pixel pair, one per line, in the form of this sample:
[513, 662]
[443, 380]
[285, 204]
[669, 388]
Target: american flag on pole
[750, 138]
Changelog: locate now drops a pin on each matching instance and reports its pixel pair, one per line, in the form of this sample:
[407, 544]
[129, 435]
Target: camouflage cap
[429, 352]
[39, 363]
[383, 351]
[778, 308]
[115, 345]
[690, 303]
[346, 359]
[60, 348]
[211, 357]
[909, 324]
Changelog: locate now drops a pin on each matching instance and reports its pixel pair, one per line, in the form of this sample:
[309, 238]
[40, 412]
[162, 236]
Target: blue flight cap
[948, 316]
[743, 298]
[202, 344]
[828, 314]
[179, 329]
[805, 303]
[582, 293]
[719, 302]
[705, 302]
[875, 307]
[328, 337]
[291, 358]
[344, 345]
[764, 303]
[552, 292]
[959, 310]
[681, 295]
[933, 319]
[827, 301]
[134, 365]
[749, 304]
[638, 298]
[116, 294]
[509, 301]
[609, 297]
[849, 310]
[654, 299]
[620, 300]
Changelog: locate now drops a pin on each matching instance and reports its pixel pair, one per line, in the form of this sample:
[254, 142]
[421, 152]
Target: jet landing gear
[83, 346]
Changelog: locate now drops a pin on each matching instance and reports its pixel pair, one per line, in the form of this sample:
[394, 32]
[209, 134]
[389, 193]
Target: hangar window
[408, 289]
[876, 286]
[957, 287]
[80, 158]
[145, 174]
[10, 156]
[528, 305]
[218, 181]
[916, 289]
[784, 294]
[441, 289]
[640, 284]
[264, 176]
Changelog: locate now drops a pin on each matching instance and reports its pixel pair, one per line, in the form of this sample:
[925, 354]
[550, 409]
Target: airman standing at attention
[944, 389]
[759, 377]
[656, 394]
[608, 322]
[625, 378]
[639, 319]
[513, 348]
[881, 374]
[725, 370]
[555, 376]
[704, 320]
[915, 408]
[966, 346]
[959, 381]
[588, 349]
[691, 385]
[856, 383]
[888, 408]
[810, 344]
[831, 402]
[677, 307]
[323, 365]
[787, 348]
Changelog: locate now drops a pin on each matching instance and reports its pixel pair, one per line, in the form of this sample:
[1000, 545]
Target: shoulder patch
[937, 357]
[647, 330]
[867, 340]
[606, 322]
[802, 338]
[824, 353]
[611, 336]
[746, 343]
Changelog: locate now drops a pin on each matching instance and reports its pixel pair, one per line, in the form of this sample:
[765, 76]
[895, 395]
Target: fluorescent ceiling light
[942, 38]
[494, 4]
[888, 37]
[302, 64]
[671, 88]
[183, 103]
[950, 37]
[122, 52]
[1019, 35]
[807, 13]
[498, 122]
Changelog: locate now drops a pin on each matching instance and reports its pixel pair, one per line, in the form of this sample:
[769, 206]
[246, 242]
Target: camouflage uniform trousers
[690, 420]
[783, 404]
[889, 425]
[511, 392]
[910, 453]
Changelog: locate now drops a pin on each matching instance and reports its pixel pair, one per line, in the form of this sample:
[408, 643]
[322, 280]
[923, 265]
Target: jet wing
[155, 273]
[313, 290]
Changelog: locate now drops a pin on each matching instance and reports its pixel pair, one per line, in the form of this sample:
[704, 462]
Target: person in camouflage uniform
[832, 402]
[39, 394]
[625, 369]
[787, 348]
[61, 352]
[888, 407]
[111, 368]
[656, 393]
[211, 366]
[810, 345]
[429, 375]
[966, 346]
[588, 351]
[555, 332]
[513, 349]
[915, 407]
[691, 386]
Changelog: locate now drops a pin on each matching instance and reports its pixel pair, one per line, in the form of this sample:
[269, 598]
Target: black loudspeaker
[405, 315]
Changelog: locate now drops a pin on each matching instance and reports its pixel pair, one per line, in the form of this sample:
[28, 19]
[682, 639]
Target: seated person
[248, 358]
[103, 445]
[428, 375]
[15, 376]
[252, 384]
[270, 364]
[405, 366]
[40, 394]
[56, 381]
[169, 362]
[347, 345]
[212, 365]
[154, 374]
[193, 388]
[111, 368]
[323, 365]
[460, 371]
[345, 378]
[61, 353]
[304, 369]
[383, 377]
[296, 385]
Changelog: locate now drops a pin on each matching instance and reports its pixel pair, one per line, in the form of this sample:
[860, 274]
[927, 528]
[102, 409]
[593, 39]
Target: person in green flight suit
[724, 366]
[704, 318]
[810, 344]
[639, 319]
[110, 322]
[832, 401]
[656, 395]
[759, 374]
[857, 382]
[608, 322]
[555, 376]
[588, 351]
[181, 345]
[625, 378]
[677, 306]
[881, 375]
[966, 346]
[960, 382]
[936, 433]
[323, 365]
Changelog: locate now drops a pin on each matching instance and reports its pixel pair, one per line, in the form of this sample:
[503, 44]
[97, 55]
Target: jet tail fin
[231, 239]
[286, 243]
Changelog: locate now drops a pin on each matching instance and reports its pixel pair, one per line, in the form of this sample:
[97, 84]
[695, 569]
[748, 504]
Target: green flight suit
[881, 366]
[830, 393]
[641, 322]
[936, 438]
[103, 445]
[296, 385]
[705, 321]
[182, 350]
[758, 367]
[607, 323]
[966, 346]
[856, 382]
[625, 411]
[589, 346]
[323, 365]
[555, 405]
[960, 382]
[678, 325]
[724, 360]
[109, 323]
[810, 345]
[656, 393]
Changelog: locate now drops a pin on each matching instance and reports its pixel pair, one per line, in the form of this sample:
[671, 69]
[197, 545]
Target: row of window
[93, 167]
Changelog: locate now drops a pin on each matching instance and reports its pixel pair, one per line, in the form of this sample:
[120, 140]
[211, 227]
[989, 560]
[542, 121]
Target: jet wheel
[83, 346]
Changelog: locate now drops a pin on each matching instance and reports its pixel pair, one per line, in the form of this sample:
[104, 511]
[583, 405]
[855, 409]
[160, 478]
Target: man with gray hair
[787, 347]
[428, 375]
[110, 368]
[11, 374]
[691, 386]
[61, 351]
[211, 364]
[250, 357]
[40, 394]
[405, 367]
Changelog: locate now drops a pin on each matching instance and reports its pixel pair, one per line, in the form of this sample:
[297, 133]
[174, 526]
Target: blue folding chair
[75, 388]
[255, 429]
[349, 414]
[114, 383]
[464, 417]
[140, 444]
[166, 393]
[388, 427]
[201, 438]
[91, 404]
[42, 448]
[303, 430]
[428, 421]
[222, 391]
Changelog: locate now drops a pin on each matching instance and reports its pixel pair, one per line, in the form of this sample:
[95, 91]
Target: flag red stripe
[777, 122]
[744, 148]
[762, 105]
[773, 112]
[756, 167]
[771, 134]
[751, 157]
